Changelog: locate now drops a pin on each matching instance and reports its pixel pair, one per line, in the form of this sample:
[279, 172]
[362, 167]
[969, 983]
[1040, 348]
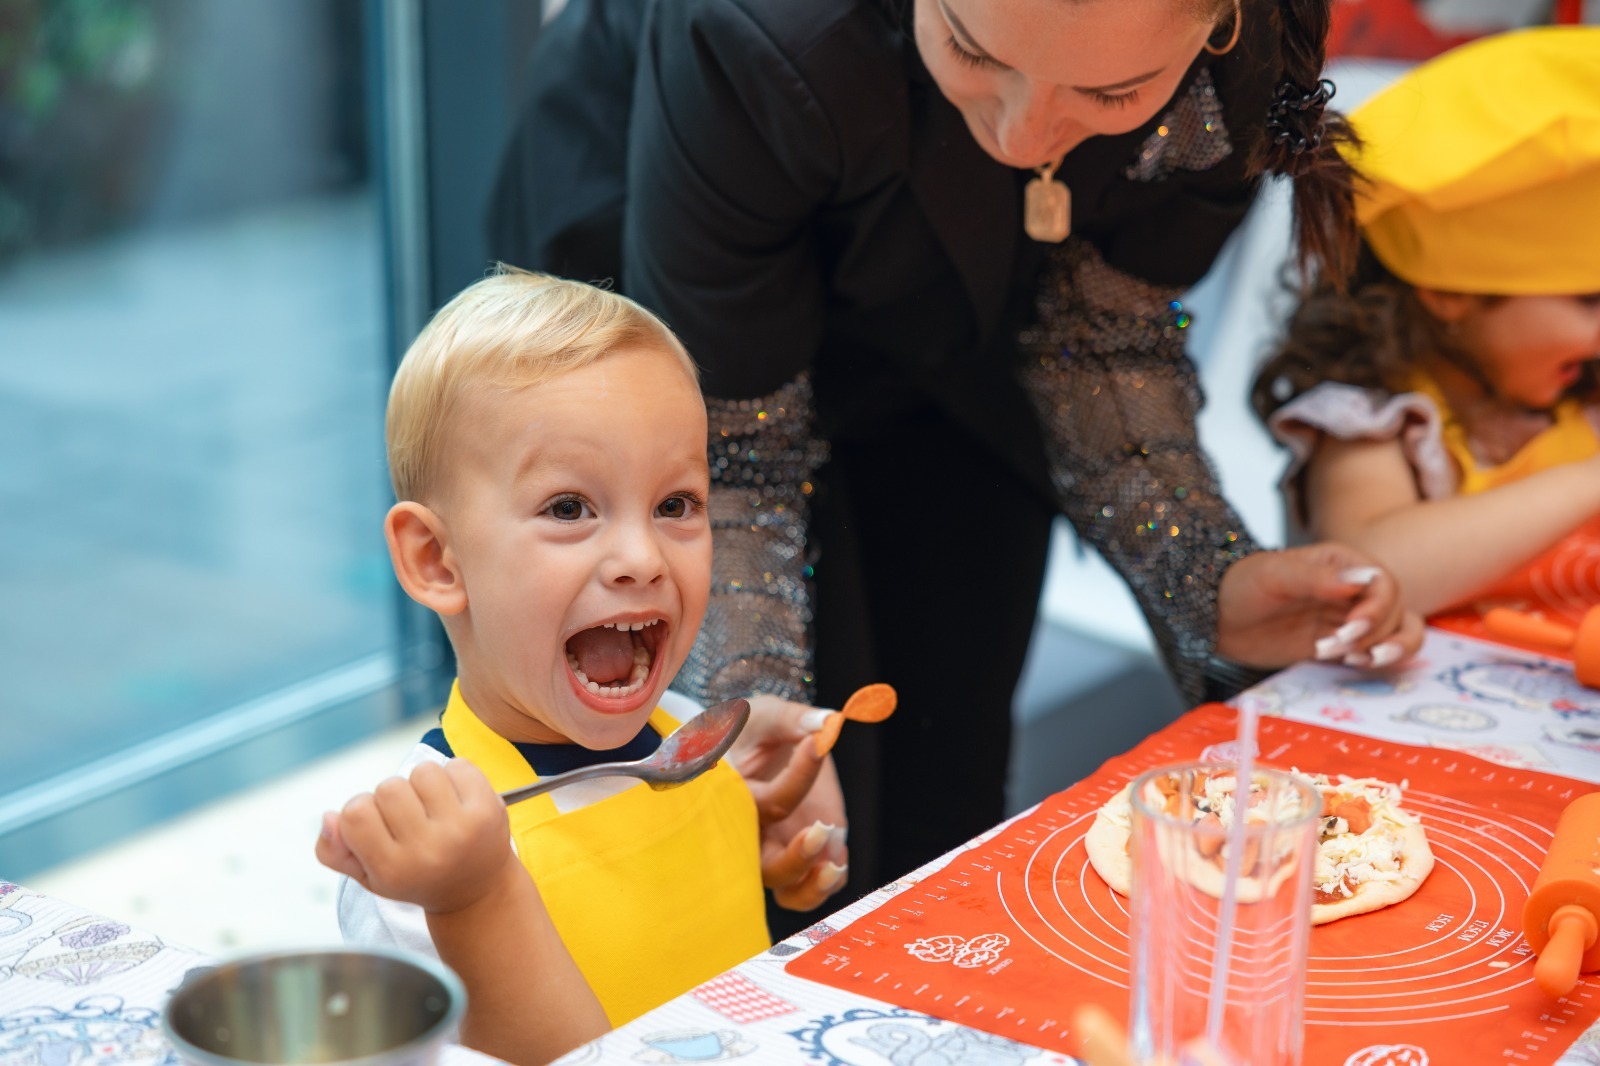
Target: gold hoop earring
[1238, 21]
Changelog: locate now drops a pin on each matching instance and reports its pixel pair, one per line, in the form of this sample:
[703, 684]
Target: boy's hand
[798, 800]
[1324, 601]
[439, 839]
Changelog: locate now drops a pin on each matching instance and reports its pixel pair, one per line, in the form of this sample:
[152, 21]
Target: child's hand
[798, 799]
[1323, 601]
[439, 839]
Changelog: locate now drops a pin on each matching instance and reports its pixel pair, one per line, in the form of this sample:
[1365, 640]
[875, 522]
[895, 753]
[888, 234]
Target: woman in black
[826, 200]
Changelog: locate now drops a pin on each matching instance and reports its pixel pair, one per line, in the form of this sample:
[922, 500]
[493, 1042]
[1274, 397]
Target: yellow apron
[1546, 584]
[652, 892]
[1569, 438]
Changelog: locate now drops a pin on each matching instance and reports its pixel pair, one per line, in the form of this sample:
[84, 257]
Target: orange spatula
[869, 703]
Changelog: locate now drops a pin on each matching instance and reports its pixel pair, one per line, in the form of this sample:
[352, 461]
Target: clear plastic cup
[1185, 941]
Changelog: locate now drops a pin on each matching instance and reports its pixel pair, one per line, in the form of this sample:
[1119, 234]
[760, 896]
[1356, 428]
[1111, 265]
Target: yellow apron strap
[492, 753]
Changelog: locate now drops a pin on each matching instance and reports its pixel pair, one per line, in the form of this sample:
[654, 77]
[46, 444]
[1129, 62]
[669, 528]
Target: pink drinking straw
[1222, 958]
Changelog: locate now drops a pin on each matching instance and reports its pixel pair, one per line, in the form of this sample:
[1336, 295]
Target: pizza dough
[1109, 843]
[1370, 852]
[1363, 868]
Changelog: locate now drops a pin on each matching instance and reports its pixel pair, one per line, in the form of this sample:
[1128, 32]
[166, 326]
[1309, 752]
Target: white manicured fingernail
[1351, 632]
[1358, 659]
[1359, 575]
[840, 834]
[1331, 647]
[812, 721]
[1386, 653]
[816, 838]
[832, 875]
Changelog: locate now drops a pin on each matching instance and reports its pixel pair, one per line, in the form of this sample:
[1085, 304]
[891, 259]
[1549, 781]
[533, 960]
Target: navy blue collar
[547, 760]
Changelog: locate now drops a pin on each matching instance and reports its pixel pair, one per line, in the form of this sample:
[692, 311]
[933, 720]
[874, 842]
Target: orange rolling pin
[1583, 641]
[1562, 917]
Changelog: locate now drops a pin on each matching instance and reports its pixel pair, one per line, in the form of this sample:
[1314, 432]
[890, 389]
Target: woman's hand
[798, 799]
[439, 839]
[1323, 601]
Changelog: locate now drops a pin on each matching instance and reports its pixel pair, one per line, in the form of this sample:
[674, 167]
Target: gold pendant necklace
[1047, 206]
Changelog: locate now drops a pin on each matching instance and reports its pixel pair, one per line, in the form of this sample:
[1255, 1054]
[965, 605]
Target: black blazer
[785, 185]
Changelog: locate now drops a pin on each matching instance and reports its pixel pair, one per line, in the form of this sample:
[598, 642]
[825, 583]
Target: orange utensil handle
[1573, 931]
[1562, 916]
[1530, 629]
[1586, 649]
[870, 703]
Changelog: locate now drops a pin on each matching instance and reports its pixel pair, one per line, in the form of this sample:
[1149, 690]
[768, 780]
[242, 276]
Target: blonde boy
[547, 442]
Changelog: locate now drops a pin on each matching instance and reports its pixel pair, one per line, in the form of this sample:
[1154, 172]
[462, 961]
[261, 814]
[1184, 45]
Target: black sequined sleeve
[1117, 399]
[755, 638]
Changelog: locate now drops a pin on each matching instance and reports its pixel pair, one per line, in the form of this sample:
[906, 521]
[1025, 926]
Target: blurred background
[221, 221]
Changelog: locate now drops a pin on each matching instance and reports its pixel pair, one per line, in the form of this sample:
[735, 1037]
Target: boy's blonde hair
[512, 330]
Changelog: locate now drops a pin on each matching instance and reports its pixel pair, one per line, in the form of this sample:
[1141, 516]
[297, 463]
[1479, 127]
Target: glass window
[193, 361]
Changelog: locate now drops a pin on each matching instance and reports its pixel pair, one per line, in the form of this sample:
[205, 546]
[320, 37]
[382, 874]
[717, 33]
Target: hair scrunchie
[1294, 124]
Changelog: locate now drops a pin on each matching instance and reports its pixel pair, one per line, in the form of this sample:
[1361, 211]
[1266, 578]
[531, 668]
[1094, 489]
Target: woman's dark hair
[1303, 140]
[1367, 333]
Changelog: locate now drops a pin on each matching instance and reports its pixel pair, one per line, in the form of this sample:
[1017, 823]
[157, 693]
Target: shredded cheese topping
[1346, 860]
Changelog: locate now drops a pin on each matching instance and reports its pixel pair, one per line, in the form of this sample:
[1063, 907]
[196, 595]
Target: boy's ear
[1447, 307]
[419, 547]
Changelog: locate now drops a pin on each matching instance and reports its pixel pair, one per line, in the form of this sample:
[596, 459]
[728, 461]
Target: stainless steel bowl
[373, 1007]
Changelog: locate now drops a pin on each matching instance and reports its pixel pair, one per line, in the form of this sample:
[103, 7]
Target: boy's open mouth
[614, 660]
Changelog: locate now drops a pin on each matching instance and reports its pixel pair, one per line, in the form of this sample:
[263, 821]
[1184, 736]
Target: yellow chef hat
[1483, 166]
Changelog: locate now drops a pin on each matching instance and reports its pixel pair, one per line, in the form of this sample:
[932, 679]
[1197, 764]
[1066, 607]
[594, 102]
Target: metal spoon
[686, 753]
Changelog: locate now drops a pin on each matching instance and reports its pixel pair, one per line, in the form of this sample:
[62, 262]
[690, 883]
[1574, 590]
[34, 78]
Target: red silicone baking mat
[1561, 585]
[1018, 930]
